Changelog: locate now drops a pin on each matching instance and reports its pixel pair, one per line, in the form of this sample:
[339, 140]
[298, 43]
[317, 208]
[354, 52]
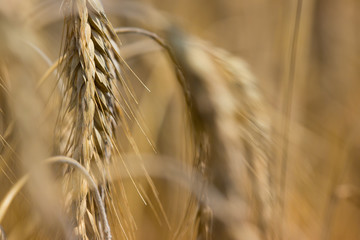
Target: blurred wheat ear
[227, 111]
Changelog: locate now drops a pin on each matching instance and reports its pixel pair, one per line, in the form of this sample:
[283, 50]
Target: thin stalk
[287, 105]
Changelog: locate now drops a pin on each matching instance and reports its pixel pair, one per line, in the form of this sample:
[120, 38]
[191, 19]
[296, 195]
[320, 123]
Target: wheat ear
[89, 73]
